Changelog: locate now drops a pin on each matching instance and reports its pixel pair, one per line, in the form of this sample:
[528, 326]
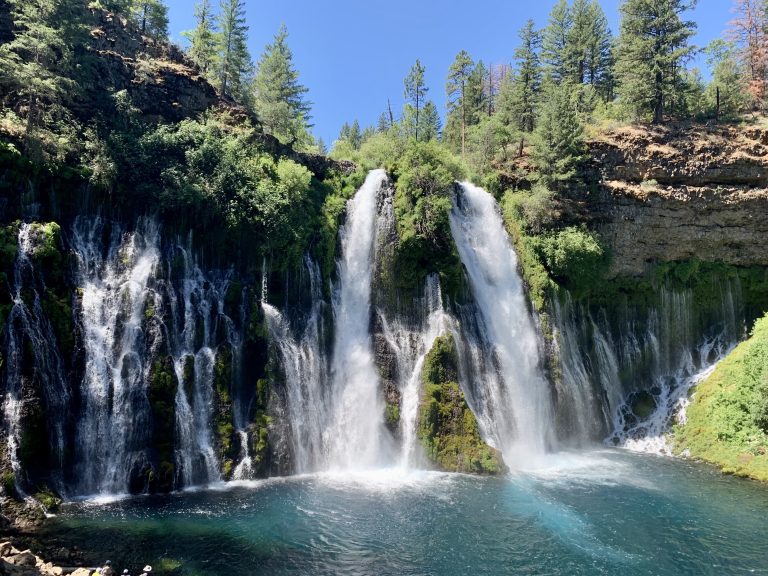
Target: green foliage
[48, 498]
[573, 256]
[416, 94]
[202, 40]
[727, 82]
[426, 174]
[448, 429]
[151, 17]
[652, 48]
[9, 484]
[559, 145]
[33, 68]
[234, 62]
[726, 422]
[279, 98]
[540, 284]
[519, 94]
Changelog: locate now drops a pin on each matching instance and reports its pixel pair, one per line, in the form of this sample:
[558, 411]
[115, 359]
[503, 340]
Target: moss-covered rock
[223, 415]
[448, 429]
[727, 421]
[162, 398]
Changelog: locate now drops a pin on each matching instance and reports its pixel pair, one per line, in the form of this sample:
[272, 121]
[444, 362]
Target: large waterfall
[356, 436]
[113, 429]
[507, 389]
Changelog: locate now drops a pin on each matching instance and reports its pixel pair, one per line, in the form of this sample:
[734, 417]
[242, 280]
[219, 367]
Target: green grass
[727, 422]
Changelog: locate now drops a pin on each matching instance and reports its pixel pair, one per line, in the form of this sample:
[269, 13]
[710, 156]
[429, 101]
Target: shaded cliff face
[676, 194]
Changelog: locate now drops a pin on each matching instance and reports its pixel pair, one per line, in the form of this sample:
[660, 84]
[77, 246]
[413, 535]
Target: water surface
[607, 512]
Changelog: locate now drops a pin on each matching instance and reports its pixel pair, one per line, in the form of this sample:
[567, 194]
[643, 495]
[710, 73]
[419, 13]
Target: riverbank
[727, 421]
[15, 562]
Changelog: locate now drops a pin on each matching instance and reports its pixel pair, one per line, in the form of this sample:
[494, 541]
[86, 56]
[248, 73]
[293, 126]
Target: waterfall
[113, 429]
[197, 313]
[356, 435]
[410, 348]
[501, 372]
[627, 373]
[28, 323]
[305, 371]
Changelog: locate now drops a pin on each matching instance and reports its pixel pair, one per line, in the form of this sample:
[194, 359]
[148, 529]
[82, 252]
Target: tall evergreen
[151, 17]
[599, 53]
[202, 40]
[456, 89]
[559, 137]
[279, 98]
[234, 61]
[519, 93]
[652, 49]
[33, 63]
[416, 93]
[557, 49]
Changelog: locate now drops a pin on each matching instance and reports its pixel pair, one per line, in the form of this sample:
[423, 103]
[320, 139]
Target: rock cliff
[679, 193]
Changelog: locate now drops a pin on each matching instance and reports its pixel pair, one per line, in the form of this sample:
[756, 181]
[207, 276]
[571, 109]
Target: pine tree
[415, 93]
[559, 138]
[476, 94]
[726, 95]
[653, 46]
[599, 53]
[278, 96]
[431, 124]
[32, 64]
[519, 93]
[557, 50]
[234, 61]
[152, 17]
[580, 39]
[456, 89]
[202, 40]
[355, 136]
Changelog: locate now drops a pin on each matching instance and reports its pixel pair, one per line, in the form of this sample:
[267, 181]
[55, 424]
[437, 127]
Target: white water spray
[513, 405]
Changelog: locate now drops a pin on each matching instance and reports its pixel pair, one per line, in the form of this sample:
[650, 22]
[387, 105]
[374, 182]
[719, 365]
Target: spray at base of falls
[356, 436]
[500, 362]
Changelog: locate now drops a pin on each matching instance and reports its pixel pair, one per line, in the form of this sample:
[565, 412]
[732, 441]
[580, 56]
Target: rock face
[681, 193]
[14, 562]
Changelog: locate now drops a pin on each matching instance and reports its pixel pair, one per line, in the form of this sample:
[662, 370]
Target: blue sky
[354, 54]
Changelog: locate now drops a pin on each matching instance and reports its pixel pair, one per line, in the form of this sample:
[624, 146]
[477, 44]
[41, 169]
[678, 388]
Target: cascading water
[410, 348]
[626, 376]
[197, 313]
[304, 367]
[356, 436]
[28, 323]
[112, 433]
[509, 394]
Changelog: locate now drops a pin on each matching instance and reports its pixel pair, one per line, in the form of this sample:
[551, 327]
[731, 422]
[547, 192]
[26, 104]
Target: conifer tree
[652, 48]
[151, 17]
[202, 40]
[456, 89]
[519, 93]
[415, 93]
[559, 137]
[726, 95]
[32, 64]
[431, 124]
[599, 53]
[557, 49]
[476, 93]
[278, 96]
[234, 61]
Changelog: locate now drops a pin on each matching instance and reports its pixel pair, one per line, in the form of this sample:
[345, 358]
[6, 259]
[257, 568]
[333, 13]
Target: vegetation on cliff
[448, 429]
[727, 421]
